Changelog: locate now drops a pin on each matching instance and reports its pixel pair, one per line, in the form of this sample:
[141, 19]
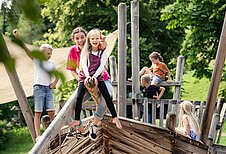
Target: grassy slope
[195, 89]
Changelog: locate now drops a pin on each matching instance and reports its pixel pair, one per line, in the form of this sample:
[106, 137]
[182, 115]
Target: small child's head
[155, 57]
[186, 107]
[78, 35]
[47, 50]
[145, 80]
[93, 39]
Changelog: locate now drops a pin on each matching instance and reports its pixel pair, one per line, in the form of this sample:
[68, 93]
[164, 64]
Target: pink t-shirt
[74, 59]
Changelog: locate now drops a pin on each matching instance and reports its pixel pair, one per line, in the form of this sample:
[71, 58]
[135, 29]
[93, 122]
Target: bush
[3, 135]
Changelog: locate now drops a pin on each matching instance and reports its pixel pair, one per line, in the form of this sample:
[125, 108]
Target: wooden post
[114, 75]
[135, 56]
[179, 76]
[122, 16]
[214, 84]
[20, 94]
[55, 126]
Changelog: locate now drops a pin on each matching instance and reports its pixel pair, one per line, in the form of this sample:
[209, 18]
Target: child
[43, 96]
[158, 70]
[151, 91]
[92, 65]
[188, 124]
[79, 37]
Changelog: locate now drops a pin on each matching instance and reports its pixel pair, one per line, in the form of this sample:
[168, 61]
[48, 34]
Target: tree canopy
[202, 21]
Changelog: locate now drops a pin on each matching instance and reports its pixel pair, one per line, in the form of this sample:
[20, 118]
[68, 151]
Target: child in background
[158, 70]
[188, 124]
[151, 92]
[43, 85]
[92, 65]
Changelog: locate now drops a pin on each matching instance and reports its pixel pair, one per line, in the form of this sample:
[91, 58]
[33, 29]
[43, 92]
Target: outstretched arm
[162, 90]
[28, 51]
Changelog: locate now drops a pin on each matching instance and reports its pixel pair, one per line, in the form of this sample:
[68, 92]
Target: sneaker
[37, 138]
[93, 132]
[71, 132]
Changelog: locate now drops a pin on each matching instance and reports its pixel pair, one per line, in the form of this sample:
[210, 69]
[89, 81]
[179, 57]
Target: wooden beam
[19, 91]
[214, 84]
[122, 16]
[135, 57]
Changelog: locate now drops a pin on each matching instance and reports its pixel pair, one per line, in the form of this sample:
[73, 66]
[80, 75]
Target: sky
[9, 2]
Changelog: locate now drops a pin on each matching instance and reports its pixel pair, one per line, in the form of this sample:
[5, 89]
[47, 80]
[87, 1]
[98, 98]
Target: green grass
[196, 89]
[19, 142]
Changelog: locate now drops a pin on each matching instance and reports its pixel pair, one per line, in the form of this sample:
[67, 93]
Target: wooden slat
[163, 83]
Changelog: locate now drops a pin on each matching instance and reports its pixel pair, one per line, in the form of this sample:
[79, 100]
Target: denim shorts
[43, 98]
[155, 77]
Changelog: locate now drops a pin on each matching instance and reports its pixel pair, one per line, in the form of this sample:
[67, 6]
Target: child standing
[43, 85]
[158, 70]
[188, 124]
[92, 65]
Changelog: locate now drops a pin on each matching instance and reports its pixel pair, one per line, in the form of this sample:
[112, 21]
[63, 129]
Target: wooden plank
[163, 83]
[19, 91]
[187, 148]
[135, 55]
[214, 84]
[114, 76]
[122, 17]
[158, 137]
[179, 75]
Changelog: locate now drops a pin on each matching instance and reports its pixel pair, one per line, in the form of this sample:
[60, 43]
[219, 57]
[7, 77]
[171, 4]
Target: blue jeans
[43, 98]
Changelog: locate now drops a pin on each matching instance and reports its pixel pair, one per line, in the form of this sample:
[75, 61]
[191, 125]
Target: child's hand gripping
[91, 85]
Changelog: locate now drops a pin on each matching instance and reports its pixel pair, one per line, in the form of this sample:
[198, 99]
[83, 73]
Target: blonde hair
[87, 46]
[46, 46]
[186, 108]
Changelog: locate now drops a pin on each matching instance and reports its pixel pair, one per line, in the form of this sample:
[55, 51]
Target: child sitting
[188, 124]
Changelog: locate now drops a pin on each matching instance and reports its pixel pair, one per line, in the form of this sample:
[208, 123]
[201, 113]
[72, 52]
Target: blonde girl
[158, 70]
[188, 124]
[92, 64]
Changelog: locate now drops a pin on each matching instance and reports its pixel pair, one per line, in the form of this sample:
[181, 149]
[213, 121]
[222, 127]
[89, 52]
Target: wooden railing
[154, 112]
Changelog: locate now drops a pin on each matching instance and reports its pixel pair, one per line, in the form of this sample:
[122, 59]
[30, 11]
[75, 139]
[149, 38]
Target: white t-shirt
[42, 77]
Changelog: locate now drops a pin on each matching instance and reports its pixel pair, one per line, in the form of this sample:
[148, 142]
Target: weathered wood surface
[137, 137]
[214, 84]
[19, 91]
[122, 18]
[135, 56]
[134, 138]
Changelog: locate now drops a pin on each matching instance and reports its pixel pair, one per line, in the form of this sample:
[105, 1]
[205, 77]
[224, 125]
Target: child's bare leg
[117, 122]
[51, 114]
[154, 82]
[144, 70]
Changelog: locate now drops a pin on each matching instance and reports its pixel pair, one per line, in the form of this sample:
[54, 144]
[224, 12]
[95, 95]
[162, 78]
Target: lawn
[196, 89]
[19, 142]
